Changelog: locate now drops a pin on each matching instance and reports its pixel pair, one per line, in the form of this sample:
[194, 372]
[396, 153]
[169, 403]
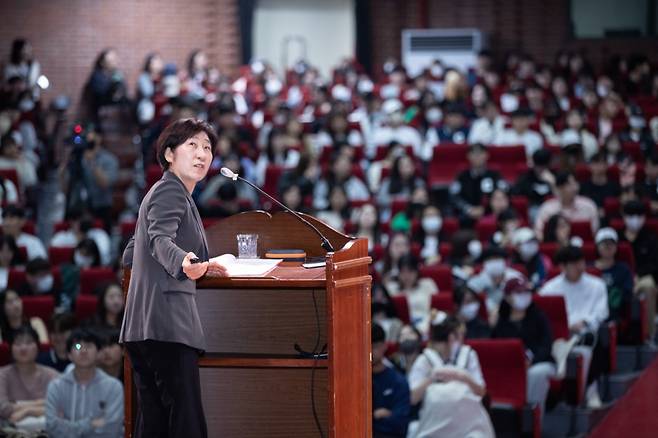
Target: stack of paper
[246, 267]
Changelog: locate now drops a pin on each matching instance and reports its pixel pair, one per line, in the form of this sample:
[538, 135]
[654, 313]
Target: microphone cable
[316, 355]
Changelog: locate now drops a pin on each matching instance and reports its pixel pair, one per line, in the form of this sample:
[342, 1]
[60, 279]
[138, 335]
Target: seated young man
[586, 301]
[84, 401]
[23, 383]
[57, 356]
[390, 392]
[447, 379]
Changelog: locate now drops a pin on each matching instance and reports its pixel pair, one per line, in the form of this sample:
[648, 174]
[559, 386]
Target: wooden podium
[254, 382]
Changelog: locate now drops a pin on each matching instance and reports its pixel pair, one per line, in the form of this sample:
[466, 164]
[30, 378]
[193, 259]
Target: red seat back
[441, 274]
[41, 306]
[556, 312]
[85, 307]
[443, 302]
[90, 278]
[401, 308]
[503, 366]
[5, 354]
[59, 255]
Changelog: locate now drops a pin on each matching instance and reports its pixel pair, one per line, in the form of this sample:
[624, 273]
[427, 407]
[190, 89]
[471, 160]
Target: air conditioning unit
[454, 47]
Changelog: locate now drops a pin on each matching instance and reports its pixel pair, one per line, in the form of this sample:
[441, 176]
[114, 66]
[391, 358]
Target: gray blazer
[161, 303]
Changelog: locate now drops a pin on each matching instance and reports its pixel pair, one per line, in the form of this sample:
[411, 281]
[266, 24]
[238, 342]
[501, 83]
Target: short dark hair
[37, 265]
[440, 332]
[634, 207]
[541, 157]
[13, 211]
[562, 178]
[569, 254]
[177, 132]
[83, 335]
[408, 261]
[377, 333]
[62, 322]
[460, 293]
[23, 330]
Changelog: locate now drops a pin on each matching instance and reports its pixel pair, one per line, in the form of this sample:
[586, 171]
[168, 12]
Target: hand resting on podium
[211, 268]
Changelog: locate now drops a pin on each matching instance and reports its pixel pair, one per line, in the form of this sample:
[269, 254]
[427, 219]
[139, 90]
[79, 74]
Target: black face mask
[409, 346]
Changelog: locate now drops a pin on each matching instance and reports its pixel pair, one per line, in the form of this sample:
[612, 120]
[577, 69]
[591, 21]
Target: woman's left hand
[194, 271]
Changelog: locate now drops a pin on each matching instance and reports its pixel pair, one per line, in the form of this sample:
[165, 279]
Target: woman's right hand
[194, 271]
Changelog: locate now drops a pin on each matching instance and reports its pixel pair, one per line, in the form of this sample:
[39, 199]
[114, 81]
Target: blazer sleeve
[127, 259]
[164, 215]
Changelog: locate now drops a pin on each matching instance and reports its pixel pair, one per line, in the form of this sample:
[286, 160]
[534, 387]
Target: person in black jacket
[535, 183]
[645, 249]
[519, 318]
[467, 307]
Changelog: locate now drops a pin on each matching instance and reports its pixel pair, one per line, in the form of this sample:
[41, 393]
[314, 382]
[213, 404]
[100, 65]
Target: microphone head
[228, 173]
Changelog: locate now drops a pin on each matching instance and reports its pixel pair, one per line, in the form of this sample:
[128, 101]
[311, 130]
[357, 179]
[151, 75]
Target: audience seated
[57, 356]
[84, 401]
[616, 274]
[568, 203]
[13, 221]
[390, 392]
[467, 310]
[527, 253]
[410, 345]
[518, 317]
[23, 383]
[447, 379]
[12, 317]
[10, 257]
[586, 300]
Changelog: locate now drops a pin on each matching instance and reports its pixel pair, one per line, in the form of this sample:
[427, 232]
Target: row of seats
[90, 278]
[42, 306]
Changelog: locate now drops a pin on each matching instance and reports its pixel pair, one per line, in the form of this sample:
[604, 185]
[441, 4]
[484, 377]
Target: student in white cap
[616, 274]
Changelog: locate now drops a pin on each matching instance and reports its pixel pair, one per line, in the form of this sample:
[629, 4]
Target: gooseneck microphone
[228, 173]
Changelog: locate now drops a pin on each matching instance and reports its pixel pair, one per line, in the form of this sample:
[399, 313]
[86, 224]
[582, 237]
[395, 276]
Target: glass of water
[247, 246]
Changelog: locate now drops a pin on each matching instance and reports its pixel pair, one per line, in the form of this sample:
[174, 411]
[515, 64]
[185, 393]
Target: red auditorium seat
[12, 175]
[5, 354]
[401, 308]
[555, 310]
[507, 155]
[153, 174]
[41, 306]
[485, 229]
[448, 160]
[15, 278]
[90, 278]
[128, 229]
[450, 226]
[443, 302]
[503, 364]
[520, 204]
[59, 255]
[65, 225]
[582, 229]
[272, 175]
[440, 273]
[85, 307]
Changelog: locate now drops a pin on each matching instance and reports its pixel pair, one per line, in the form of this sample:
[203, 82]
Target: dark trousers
[166, 377]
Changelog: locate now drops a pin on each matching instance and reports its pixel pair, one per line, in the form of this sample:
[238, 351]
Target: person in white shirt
[81, 227]
[576, 133]
[396, 130]
[568, 203]
[488, 126]
[341, 174]
[586, 301]
[448, 379]
[520, 133]
[12, 225]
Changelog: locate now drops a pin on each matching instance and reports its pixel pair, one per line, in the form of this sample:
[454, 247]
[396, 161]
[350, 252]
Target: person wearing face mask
[645, 249]
[447, 378]
[491, 280]
[396, 129]
[526, 253]
[519, 318]
[85, 256]
[466, 250]
[410, 344]
[468, 312]
[452, 130]
[488, 126]
[586, 301]
[428, 236]
[39, 279]
[390, 392]
[637, 131]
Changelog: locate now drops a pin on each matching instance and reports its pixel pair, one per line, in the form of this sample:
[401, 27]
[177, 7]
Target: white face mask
[634, 222]
[433, 115]
[637, 122]
[82, 261]
[436, 70]
[528, 250]
[495, 267]
[45, 284]
[469, 311]
[26, 105]
[475, 248]
[432, 224]
[522, 300]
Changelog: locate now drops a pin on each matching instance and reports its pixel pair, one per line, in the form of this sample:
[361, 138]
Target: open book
[246, 267]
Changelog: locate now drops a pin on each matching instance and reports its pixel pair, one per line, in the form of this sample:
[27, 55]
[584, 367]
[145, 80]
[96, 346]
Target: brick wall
[540, 28]
[67, 35]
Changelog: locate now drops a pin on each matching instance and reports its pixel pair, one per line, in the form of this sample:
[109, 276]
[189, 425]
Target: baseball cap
[606, 233]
